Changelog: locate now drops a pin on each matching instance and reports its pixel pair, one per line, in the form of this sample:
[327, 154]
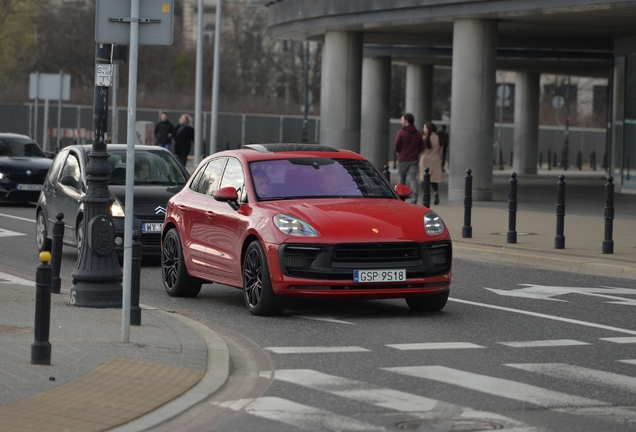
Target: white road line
[7, 233]
[298, 415]
[540, 315]
[544, 343]
[390, 399]
[434, 346]
[7, 278]
[497, 386]
[620, 340]
[17, 217]
[628, 361]
[315, 350]
[580, 374]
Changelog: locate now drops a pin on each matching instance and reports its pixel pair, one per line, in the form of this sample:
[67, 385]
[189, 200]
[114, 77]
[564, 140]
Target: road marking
[434, 346]
[315, 350]
[544, 343]
[546, 292]
[7, 278]
[497, 386]
[580, 374]
[540, 315]
[299, 415]
[390, 399]
[628, 361]
[620, 340]
[7, 233]
[17, 217]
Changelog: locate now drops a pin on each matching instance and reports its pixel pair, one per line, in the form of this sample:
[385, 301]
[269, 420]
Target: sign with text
[112, 22]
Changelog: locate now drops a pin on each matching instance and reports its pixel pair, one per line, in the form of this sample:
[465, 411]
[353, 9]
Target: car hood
[22, 164]
[359, 219]
[150, 200]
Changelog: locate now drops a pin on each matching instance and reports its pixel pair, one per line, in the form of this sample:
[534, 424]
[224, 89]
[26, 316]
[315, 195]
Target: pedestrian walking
[164, 132]
[408, 146]
[183, 138]
[443, 138]
[432, 158]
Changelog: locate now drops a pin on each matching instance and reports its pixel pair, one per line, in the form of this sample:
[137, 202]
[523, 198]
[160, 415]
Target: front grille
[376, 253]
[299, 256]
[439, 254]
[151, 240]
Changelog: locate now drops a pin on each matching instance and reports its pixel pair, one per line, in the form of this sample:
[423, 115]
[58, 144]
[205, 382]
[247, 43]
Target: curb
[218, 370]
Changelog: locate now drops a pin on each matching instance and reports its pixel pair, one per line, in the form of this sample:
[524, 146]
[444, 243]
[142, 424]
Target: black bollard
[511, 157]
[135, 310]
[394, 160]
[559, 239]
[386, 173]
[593, 160]
[426, 189]
[227, 145]
[579, 160]
[608, 243]
[556, 161]
[501, 165]
[467, 229]
[56, 251]
[540, 159]
[41, 348]
[549, 160]
[511, 236]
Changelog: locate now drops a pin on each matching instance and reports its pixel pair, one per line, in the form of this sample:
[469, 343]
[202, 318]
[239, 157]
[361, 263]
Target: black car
[23, 168]
[161, 177]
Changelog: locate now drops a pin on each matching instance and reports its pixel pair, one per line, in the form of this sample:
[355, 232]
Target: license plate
[29, 187]
[151, 227]
[366, 276]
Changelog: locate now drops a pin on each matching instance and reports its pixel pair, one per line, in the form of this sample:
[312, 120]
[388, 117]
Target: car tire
[428, 303]
[257, 286]
[42, 240]
[176, 280]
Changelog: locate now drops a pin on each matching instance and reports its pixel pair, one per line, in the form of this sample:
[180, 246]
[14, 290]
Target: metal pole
[198, 110]
[35, 120]
[56, 251]
[130, 169]
[511, 235]
[566, 147]
[58, 146]
[467, 229]
[608, 243]
[41, 347]
[45, 132]
[426, 189]
[549, 159]
[559, 239]
[135, 310]
[306, 107]
[114, 133]
[215, 79]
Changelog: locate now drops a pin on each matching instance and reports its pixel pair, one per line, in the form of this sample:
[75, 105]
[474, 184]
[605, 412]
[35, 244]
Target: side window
[71, 167]
[54, 171]
[207, 179]
[233, 176]
[194, 184]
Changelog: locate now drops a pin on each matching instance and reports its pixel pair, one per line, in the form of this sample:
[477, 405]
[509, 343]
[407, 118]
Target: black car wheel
[41, 233]
[428, 303]
[257, 286]
[176, 279]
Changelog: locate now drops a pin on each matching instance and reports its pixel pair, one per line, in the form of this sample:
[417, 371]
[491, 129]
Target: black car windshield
[20, 147]
[151, 167]
[314, 177]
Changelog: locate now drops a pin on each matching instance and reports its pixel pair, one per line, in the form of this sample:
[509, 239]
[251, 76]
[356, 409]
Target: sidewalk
[95, 382]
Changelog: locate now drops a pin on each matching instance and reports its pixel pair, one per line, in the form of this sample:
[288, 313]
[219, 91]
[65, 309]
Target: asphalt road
[558, 355]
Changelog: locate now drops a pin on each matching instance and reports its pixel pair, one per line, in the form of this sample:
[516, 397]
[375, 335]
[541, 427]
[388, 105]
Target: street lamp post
[97, 276]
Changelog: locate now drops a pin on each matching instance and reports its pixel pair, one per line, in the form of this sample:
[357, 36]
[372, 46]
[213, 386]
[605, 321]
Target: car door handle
[182, 208]
[210, 214]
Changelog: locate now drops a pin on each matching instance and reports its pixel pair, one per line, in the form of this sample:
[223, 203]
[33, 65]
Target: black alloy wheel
[257, 285]
[176, 280]
[42, 241]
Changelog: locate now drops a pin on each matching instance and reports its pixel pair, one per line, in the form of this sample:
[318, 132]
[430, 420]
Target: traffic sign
[558, 101]
[104, 75]
[112, 22]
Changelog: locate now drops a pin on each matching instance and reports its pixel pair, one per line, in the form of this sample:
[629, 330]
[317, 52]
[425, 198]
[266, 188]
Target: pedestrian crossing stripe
[621, 340]
[543, 343]
[315, 349]
[434, 346]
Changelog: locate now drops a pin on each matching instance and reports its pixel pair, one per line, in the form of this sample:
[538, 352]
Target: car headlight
[293, 226]
[433, 223]
[1, 176]
[116, 209]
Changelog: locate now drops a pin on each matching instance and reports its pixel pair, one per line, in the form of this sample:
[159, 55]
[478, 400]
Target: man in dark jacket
[183, 138]
[408, 146]
[164, 131]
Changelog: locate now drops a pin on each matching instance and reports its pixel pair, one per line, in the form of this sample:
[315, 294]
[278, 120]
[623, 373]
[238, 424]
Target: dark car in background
[23, 168]
[66, 184]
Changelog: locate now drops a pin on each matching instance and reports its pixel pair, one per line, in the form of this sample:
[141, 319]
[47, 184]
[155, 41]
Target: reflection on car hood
[147, 198]
[21, 164]
[358, 219]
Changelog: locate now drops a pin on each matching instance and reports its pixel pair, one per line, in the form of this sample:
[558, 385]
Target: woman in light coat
[431, 158]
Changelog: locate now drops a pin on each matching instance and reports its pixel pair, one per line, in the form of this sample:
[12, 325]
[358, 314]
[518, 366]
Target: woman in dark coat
[183, 137]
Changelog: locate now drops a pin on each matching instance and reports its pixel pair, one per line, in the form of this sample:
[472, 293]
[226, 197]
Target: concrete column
[526, 136]
[419, 93]
[472, 107]
[341, 87]
[376, 98]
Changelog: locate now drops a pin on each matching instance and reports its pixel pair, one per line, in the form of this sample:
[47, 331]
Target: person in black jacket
[164, 131]
[183, 137]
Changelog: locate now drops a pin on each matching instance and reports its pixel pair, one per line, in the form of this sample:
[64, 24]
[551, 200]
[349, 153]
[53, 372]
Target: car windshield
[151, 167]
[315, 177]
[20, 147]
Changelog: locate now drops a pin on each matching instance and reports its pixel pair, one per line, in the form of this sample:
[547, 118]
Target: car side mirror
[68, 181]
[50, 155]
[403, 191]
[229, 195]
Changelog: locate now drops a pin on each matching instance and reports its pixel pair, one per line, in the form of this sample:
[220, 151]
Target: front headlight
[433, 223]
[1, 176]
[293, 226]
[116, 209]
